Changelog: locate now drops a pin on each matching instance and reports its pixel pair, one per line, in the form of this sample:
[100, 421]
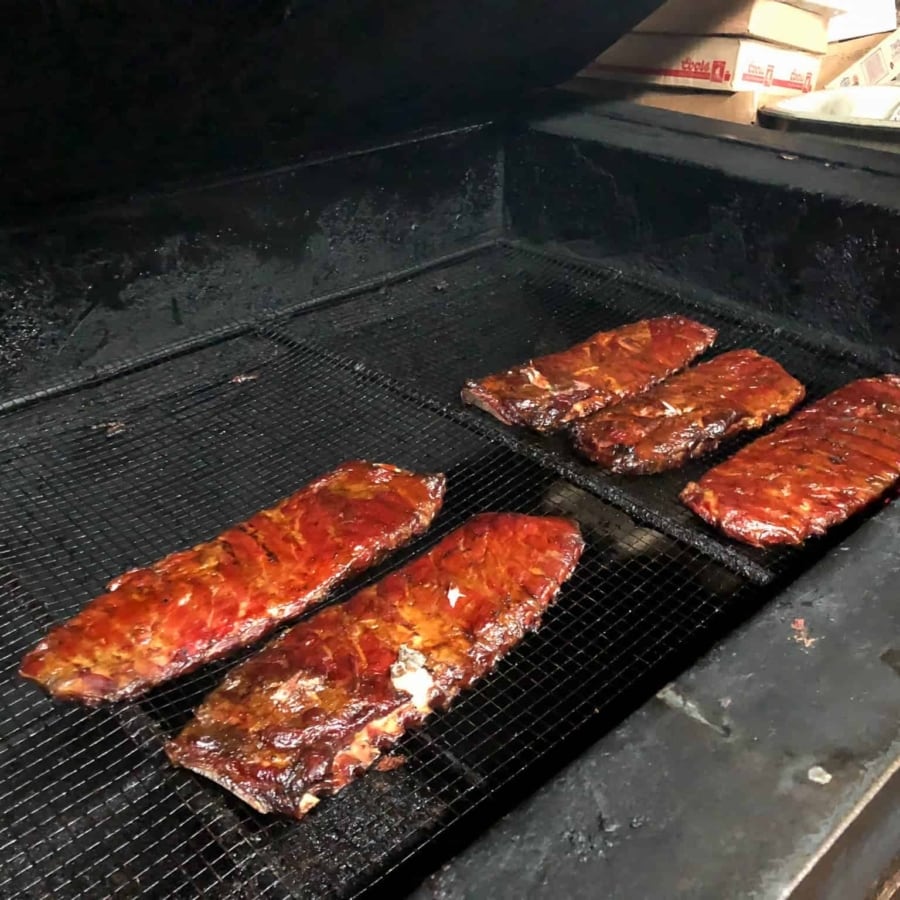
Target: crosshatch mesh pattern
[89, 803]
[503, 305]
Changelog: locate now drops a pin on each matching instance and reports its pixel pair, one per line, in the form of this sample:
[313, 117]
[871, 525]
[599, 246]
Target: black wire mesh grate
[188, 446]
[504, 304]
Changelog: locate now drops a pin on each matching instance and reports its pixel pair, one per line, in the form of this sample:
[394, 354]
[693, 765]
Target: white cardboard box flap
[769, 20]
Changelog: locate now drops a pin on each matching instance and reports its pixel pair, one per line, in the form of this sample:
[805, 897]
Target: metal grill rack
[505, 304]
[105, 475]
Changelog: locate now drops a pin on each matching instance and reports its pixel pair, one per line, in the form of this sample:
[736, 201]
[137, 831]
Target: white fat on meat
[408, 674]
[535, 377]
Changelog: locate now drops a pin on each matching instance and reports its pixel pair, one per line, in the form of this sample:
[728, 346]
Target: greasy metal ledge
[719, 788]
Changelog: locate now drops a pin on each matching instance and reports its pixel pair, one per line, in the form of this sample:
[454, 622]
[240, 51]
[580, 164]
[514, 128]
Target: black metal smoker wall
[826, 260]
[82, 291]
[88, 290]
[104, 97]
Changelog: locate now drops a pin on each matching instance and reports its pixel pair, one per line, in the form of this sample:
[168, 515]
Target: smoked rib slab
[194, 606]
[829, 461]
[548, 392]
[689, 414]
[317, 706]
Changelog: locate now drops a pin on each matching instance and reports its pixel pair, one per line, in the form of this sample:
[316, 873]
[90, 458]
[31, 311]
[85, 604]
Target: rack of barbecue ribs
[817, 469]
[304, 716]
[688, 415]
[548, 392]
[197, 605]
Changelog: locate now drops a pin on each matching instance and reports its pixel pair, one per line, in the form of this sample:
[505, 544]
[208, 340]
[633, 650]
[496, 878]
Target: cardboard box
[740, 107]
[863, 17]
[842, 55]
[768, 20]
[710, 63]
[879, 65]
[827, 8]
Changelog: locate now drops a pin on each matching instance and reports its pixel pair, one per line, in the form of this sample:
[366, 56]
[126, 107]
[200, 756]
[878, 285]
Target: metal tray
[868, 115]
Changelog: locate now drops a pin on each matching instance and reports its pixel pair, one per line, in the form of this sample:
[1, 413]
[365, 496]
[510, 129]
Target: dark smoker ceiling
[104, 97]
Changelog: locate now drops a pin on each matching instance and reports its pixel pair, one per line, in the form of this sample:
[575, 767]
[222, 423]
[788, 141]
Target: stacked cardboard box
[863, 18]
[864, 46]
[743, 49]
[874, 59]
[723, 45]
[726, 58]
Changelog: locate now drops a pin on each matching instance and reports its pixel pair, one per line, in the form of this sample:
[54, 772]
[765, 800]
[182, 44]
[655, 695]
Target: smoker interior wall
[106, 97]
[830, 263]
[85, 291]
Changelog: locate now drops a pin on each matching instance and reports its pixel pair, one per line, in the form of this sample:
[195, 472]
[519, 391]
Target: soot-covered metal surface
[737, 779]
[806, 229]
[108, 475]
[80, 292]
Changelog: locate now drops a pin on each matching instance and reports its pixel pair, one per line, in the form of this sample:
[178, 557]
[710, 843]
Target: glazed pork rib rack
[688, 415]
[193, 607]
[833, 459]
[301, 718]
[552, 391]
[164, 448]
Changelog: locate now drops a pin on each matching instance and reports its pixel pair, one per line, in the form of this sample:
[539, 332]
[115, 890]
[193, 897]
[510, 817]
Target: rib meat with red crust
[194, 606]
[305, 715]
[689, 414]
[548, 392]
[829, 461]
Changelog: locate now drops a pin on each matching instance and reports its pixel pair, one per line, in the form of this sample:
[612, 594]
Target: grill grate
[500, 306]
[89, 804]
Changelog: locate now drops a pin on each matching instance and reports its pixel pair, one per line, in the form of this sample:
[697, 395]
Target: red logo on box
[719, 71]
[770, 75]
